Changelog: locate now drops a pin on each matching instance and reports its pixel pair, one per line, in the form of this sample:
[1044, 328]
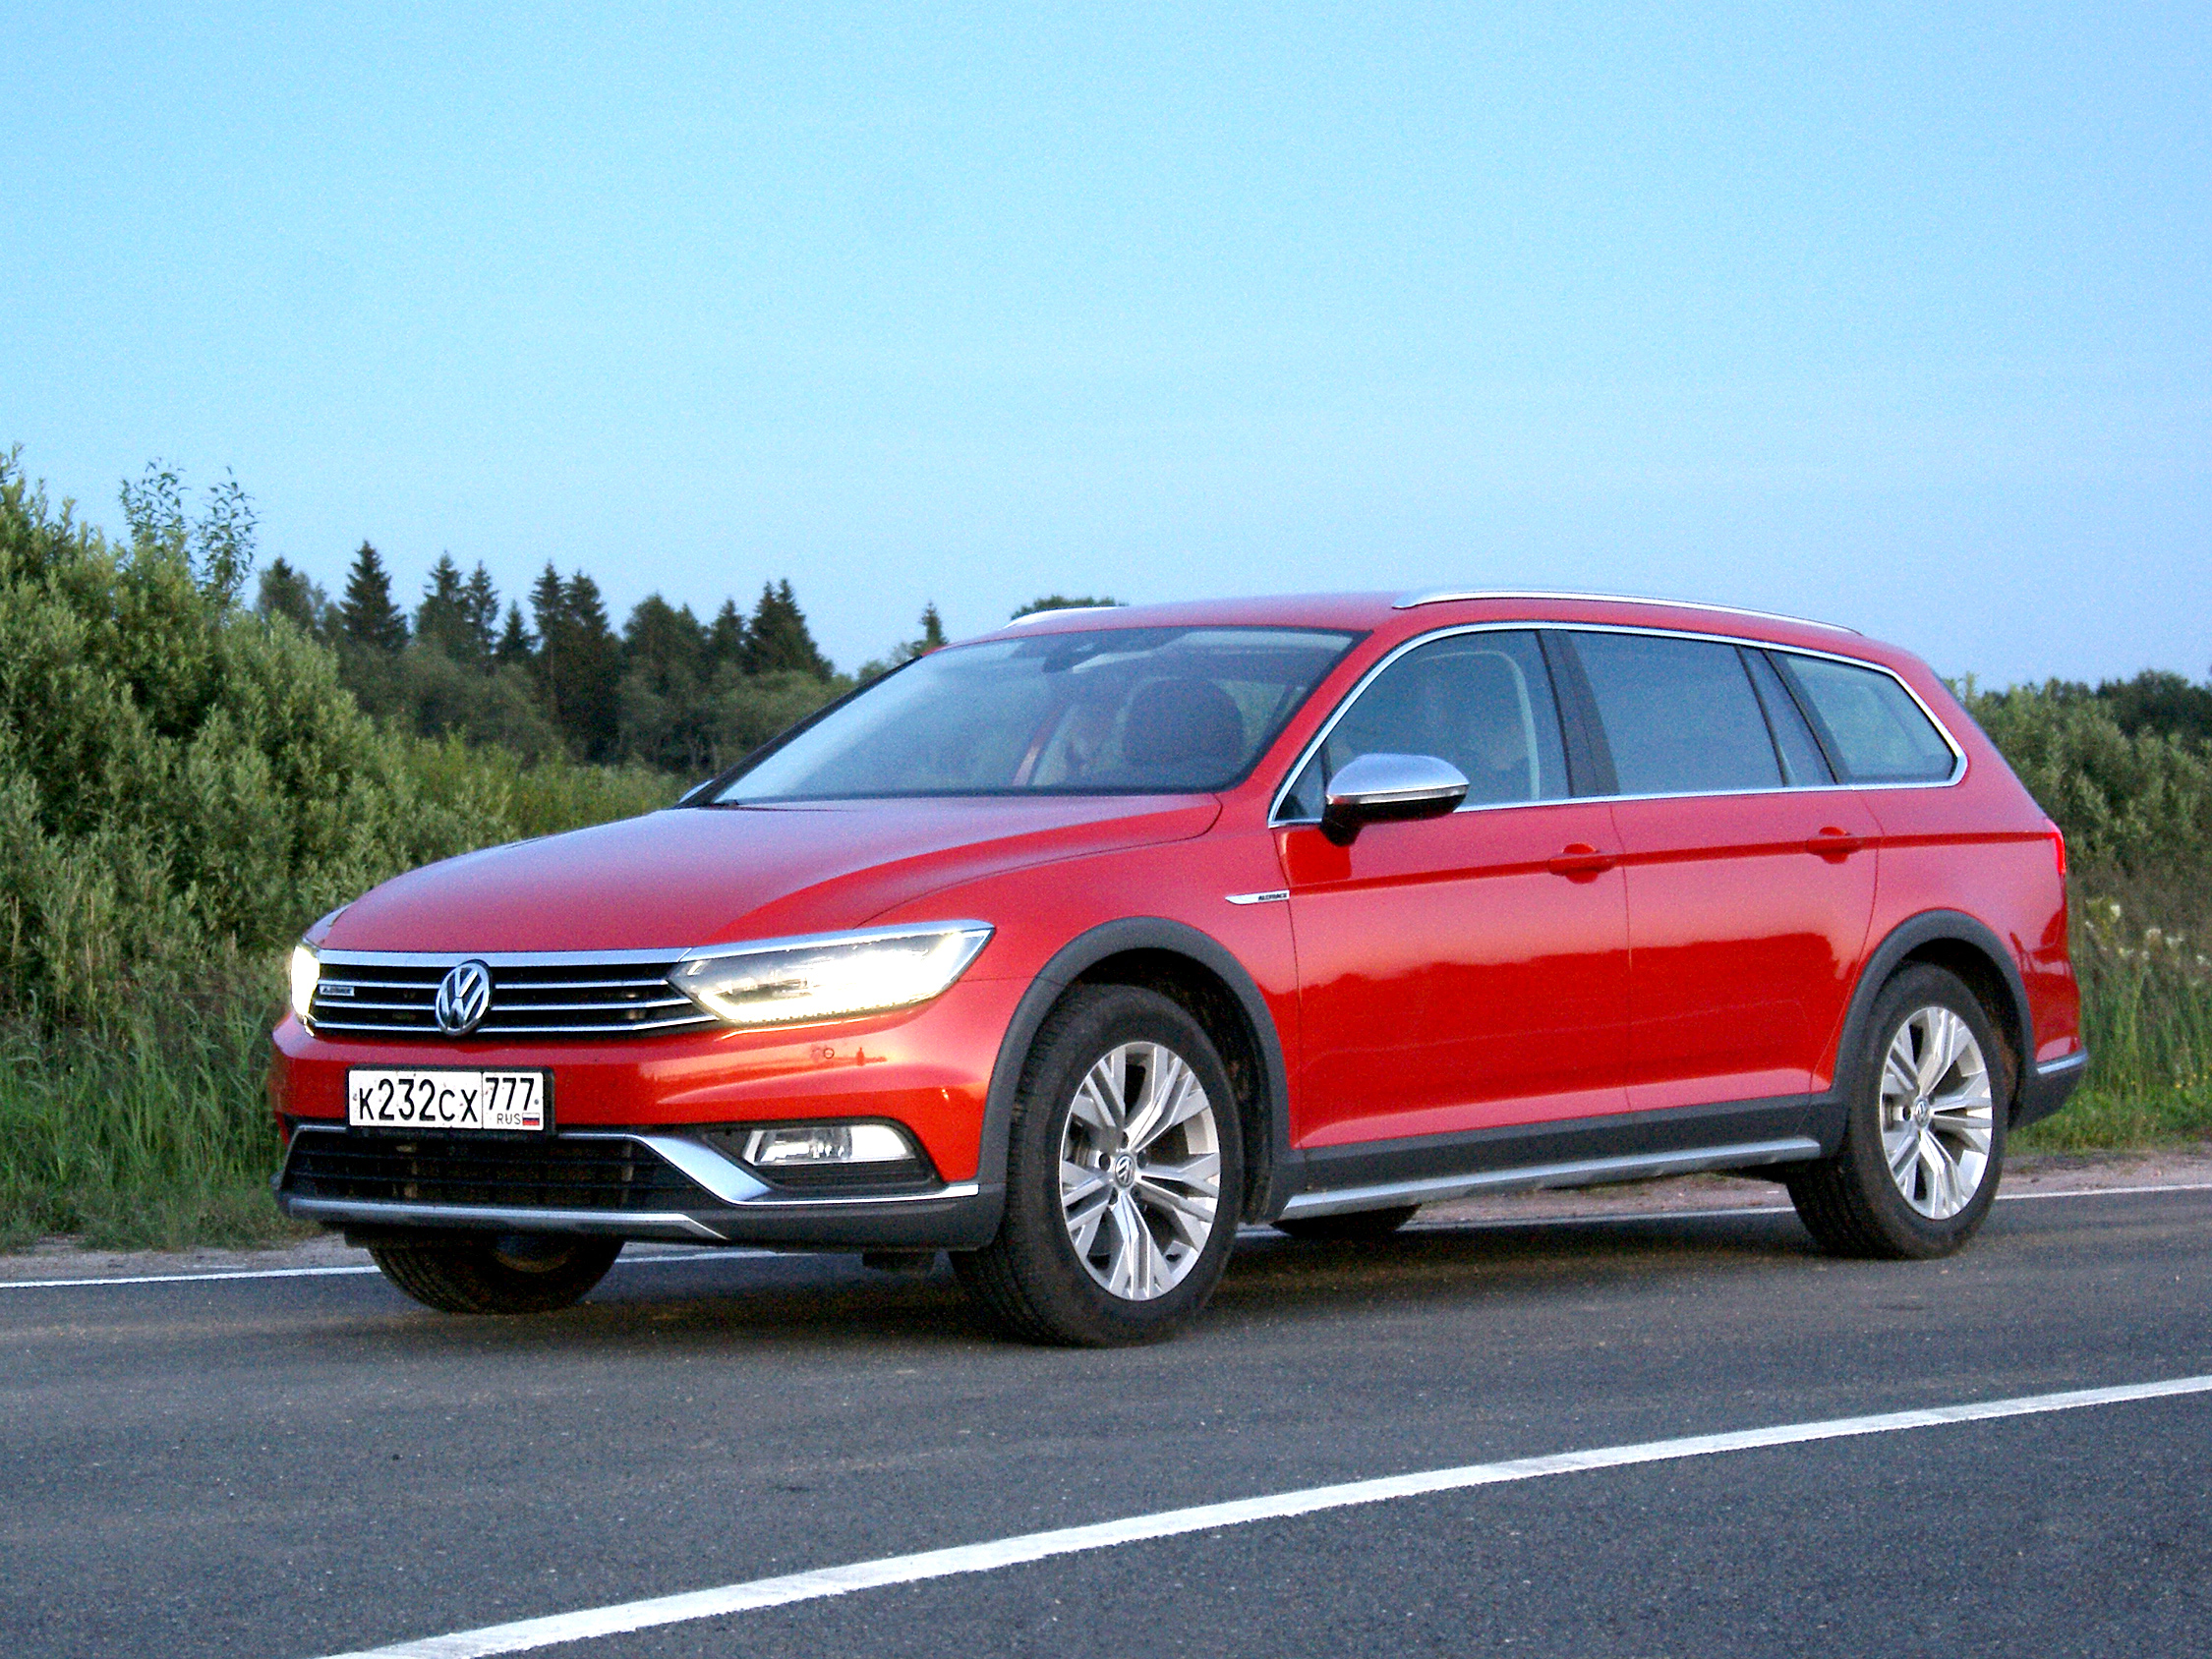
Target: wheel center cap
[1920, 1112]
[1121, 1172]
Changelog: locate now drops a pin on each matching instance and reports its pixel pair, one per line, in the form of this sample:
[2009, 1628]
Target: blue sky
[1899, 315]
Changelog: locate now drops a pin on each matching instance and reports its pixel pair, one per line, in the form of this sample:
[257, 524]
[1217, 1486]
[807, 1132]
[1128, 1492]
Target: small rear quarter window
[1870, 722]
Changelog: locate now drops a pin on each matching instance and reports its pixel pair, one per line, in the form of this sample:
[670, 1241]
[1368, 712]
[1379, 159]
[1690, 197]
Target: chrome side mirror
[1384, 789]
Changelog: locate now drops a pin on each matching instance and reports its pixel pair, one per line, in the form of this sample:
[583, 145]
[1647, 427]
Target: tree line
[667, 690]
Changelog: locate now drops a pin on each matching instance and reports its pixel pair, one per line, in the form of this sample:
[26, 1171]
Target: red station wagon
[1071, 949]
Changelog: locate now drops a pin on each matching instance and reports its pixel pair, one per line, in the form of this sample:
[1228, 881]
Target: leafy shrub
[179, 782]
[183, 786]
[2127, 803]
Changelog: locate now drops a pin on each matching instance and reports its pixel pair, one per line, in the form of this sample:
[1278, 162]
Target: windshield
[1106, 712]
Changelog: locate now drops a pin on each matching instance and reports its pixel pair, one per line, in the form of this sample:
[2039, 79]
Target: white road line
[2108, 1191]
[338, 1272]
[590, 1622]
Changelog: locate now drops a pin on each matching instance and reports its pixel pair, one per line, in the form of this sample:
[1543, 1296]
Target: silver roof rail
[1059, 610]
[1443, 596]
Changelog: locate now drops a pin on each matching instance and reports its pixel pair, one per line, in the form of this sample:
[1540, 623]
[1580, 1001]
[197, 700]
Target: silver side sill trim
[2063, 1063]
[1588, 1173]
[625, 1224]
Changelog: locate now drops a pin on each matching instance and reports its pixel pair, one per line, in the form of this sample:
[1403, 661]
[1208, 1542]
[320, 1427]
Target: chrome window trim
[1446, 596]
[1959, 762]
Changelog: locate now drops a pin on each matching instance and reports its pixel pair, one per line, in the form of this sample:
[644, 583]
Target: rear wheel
[498, 1273]
[1123, 1168]
[1350, 1228]
[1924, 1141]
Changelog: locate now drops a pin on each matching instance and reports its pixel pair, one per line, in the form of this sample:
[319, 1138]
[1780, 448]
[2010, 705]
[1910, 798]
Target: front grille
[565, 1173]
[361, 997]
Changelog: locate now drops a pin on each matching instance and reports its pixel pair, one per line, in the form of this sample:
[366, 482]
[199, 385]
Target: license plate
[447, 1100]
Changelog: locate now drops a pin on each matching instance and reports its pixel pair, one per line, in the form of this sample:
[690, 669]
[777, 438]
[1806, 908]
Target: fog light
[813, 1145]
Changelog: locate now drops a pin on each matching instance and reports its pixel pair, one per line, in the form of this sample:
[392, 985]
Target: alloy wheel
[1139, 1171]
[1937, 1111]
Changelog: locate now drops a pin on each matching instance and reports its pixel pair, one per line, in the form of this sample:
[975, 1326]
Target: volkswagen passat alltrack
[1069, 948]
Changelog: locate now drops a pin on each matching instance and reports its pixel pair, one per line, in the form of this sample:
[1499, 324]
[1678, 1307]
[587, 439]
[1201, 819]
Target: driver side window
[1481, 701]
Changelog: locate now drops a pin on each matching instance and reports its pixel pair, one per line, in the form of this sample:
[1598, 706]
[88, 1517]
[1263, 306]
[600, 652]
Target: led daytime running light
[306, 971]
[830, 978]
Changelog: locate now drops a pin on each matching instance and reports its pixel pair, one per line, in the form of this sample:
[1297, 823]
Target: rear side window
[1481, 701]
[1680, 716]
[1868, 722]
[1803, 765]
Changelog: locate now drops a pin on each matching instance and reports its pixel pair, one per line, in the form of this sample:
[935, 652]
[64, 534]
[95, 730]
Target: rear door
[1749, 870]
[1468, 971]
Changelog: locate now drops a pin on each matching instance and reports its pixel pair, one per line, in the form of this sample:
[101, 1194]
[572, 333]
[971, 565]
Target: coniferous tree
[594, 670]
[778, 638]
[665, 644]
[725, 639]
[579, 662]
[480, 609]
[286, 592]
[441, 620]
[367, 616]
[932, 630]
[514, 648]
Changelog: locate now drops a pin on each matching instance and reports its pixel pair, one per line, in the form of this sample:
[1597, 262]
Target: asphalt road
[304, 1467]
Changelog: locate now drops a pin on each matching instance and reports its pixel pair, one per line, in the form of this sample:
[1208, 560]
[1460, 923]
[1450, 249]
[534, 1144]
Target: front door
[1468, 971]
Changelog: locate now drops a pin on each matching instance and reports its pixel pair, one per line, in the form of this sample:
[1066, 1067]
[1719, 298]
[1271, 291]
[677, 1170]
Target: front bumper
[642, 1184]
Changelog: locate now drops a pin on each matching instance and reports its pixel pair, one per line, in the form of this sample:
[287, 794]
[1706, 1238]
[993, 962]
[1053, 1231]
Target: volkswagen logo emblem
[463, 996]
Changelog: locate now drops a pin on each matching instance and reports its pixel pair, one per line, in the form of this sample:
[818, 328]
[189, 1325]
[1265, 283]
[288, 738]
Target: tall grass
[151, 1133]
[148, 1128]
[2146, 1008]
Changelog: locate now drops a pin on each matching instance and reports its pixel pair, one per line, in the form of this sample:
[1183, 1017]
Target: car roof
[1414, 612]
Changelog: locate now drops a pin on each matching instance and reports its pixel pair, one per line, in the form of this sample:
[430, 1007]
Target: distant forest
[668, 690]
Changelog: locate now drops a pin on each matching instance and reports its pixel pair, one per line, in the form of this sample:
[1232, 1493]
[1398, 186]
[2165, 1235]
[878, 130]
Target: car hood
[694, 875]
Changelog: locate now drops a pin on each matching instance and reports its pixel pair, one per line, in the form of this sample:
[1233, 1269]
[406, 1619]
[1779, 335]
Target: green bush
[2137, 808]
[183, 787]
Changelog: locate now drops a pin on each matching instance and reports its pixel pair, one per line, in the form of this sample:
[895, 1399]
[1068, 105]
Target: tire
[1933, 1094]
[1359, 1226]
[1124, 1171]
[497, 1272]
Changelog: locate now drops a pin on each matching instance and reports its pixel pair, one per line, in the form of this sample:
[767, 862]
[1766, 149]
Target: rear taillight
[2059, 849]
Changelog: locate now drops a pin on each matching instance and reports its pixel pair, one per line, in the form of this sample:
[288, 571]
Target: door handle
[1833, 843]
[1579, 858]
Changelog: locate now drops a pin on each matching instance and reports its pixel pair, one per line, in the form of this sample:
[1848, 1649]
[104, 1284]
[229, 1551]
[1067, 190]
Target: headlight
[306, 970]
[830, 977]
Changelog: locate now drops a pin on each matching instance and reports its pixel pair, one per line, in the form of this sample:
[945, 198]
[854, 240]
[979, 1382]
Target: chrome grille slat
[490, 1030]
[595, 1007]
[563, 998]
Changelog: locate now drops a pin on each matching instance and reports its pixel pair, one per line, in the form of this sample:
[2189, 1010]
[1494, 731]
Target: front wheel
[1924, 1140]
[1124, 1171]
[497, 1272]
